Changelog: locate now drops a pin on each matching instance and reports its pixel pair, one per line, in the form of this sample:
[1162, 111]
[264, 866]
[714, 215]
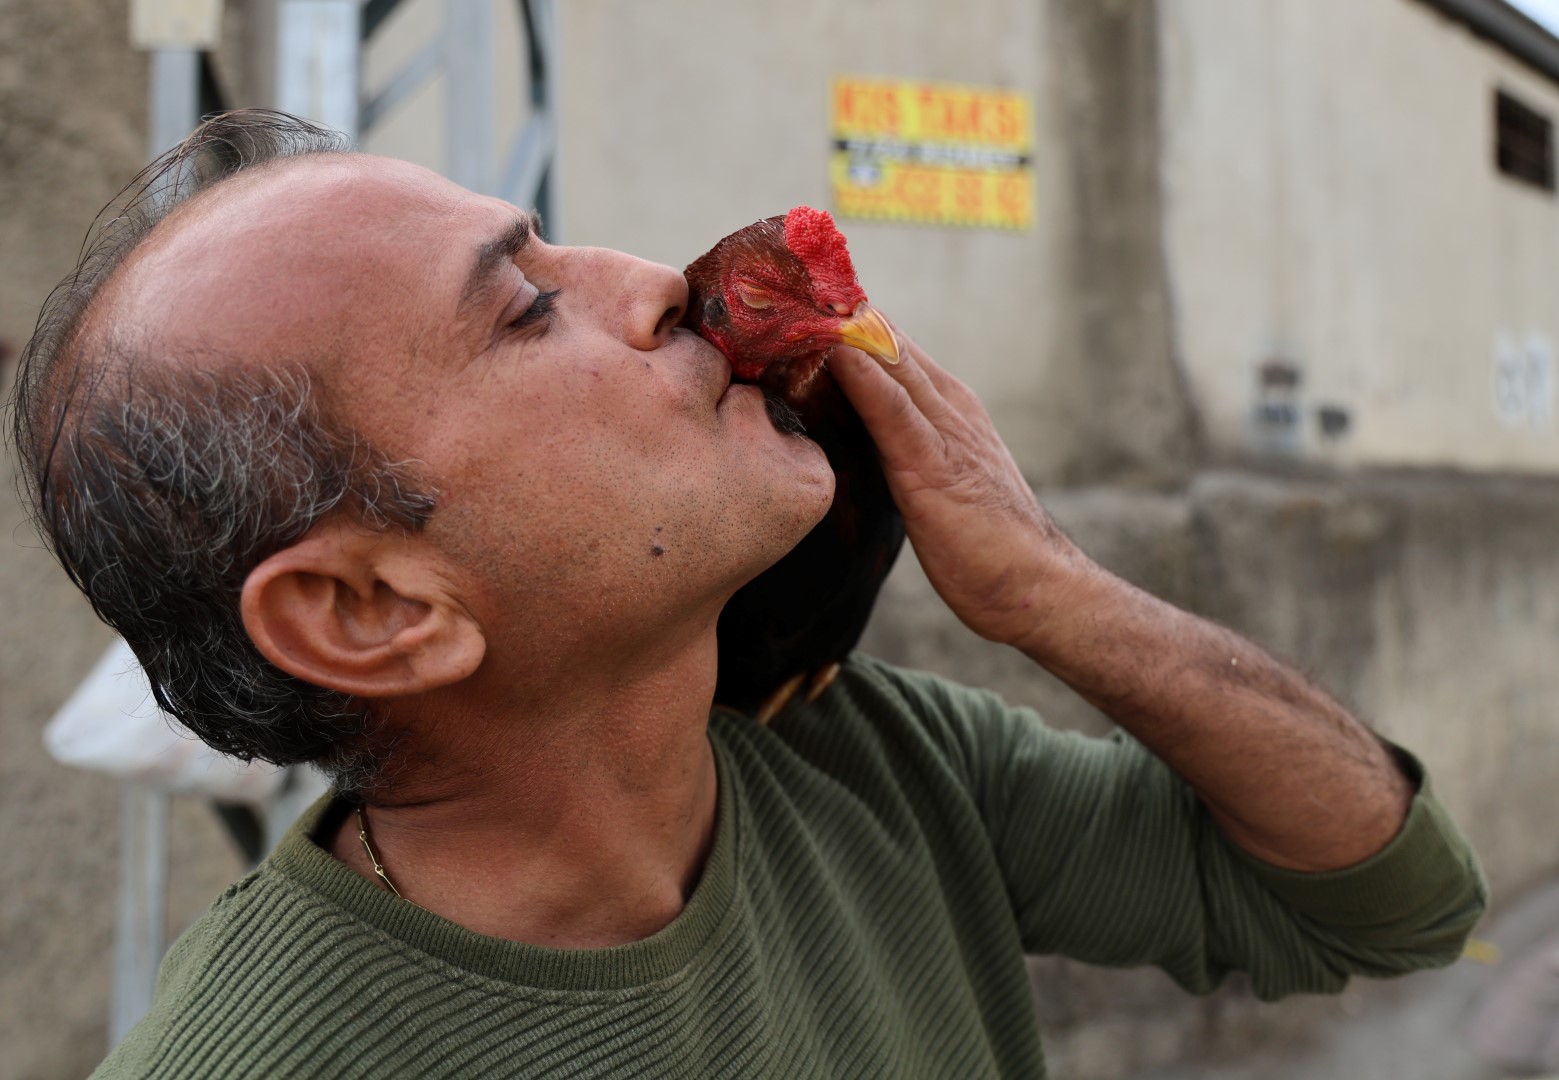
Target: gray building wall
[1332, 205]
[682, 126]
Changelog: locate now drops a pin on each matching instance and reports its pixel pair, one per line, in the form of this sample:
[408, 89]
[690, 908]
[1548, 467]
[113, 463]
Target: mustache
[781, 415]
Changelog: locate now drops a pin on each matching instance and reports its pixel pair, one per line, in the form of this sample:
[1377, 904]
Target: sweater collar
[301, 861]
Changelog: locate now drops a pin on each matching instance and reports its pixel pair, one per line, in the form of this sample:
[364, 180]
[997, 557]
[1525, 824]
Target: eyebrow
[491, 257]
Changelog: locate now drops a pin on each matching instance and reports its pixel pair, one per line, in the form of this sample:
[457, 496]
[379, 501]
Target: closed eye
[540, 311]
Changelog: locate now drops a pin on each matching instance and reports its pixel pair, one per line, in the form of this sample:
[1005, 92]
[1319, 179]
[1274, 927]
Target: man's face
[598, 482]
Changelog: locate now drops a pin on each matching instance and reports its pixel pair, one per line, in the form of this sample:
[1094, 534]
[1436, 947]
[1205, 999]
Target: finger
[951, 389]
[934, 371]
[910, 373]
[902, 432]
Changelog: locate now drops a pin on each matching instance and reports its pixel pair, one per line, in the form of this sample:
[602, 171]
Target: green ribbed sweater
[882, 860]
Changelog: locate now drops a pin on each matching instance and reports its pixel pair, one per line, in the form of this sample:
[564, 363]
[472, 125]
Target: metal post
[468, 75]
[143, 810]
[317, 55]
[548, 195]
[175, 100]
[143, 885]
[528, 177]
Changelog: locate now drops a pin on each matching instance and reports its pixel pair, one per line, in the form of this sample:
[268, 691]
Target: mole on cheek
[657, 551]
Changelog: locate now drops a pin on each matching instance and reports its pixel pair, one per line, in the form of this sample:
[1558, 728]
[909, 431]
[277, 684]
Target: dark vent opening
[1524, 148]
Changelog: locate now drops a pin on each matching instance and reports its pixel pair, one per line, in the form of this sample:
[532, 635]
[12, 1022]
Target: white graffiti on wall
[1525, 382]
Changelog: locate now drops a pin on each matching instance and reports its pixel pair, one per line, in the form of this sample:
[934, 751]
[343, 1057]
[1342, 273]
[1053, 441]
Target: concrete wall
[682, 123]
[680, 128]
[1303, 185]
[1332, 205]
[1425, 602]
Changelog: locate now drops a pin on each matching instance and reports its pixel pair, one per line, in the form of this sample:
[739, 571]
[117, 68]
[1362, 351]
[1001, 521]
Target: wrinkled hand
[990, 550]
[1284, 770]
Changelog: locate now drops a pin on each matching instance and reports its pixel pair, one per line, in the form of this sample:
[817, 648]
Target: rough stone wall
[72, 132]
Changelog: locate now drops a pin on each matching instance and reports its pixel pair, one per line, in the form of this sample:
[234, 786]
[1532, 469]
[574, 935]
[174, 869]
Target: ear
[360, 612]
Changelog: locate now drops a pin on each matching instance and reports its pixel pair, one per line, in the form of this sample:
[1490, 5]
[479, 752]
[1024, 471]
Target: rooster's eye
[753, 296]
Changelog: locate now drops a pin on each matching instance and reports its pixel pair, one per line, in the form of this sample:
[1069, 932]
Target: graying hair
[161, 481]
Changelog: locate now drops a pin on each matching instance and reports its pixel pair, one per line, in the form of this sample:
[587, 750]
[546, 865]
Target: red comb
[812, 237]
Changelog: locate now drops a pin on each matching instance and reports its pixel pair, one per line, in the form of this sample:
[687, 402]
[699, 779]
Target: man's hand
[1286, 772]
[987, 546]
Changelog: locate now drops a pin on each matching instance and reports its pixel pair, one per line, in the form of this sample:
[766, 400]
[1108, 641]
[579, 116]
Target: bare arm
[1286, 772]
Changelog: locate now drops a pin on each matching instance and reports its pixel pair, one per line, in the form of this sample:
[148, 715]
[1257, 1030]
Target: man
[371, 476]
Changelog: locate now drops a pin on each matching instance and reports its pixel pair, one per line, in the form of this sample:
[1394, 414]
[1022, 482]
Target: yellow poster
[934, 153]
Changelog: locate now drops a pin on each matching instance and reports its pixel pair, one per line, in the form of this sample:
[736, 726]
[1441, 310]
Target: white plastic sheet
[112, 725]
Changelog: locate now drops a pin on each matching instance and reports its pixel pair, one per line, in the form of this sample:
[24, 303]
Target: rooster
[776, 298]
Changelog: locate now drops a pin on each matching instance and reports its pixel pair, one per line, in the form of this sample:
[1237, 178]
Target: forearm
[1287, 772]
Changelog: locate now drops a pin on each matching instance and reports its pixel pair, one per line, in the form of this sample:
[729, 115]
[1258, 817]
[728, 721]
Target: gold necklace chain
[362, 834]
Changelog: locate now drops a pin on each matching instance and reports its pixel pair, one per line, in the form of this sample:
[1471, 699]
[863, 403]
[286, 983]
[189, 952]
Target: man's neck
[581, 819]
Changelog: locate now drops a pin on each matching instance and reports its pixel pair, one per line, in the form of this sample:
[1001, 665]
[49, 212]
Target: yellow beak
[868, 331]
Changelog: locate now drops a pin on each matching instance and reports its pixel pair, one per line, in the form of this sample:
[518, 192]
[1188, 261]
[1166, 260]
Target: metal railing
[320, 44]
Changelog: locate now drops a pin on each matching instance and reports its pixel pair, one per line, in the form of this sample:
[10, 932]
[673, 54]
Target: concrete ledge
[1430, 603]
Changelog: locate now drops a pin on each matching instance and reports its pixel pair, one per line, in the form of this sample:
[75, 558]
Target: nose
[654, 299]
